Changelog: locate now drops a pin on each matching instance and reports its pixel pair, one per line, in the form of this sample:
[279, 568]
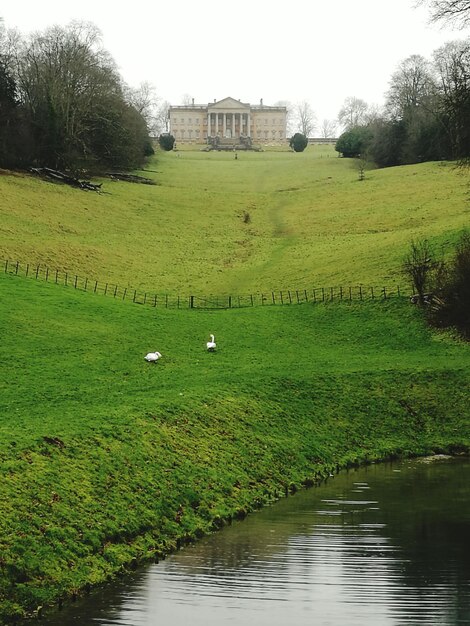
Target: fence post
[230, 302]
[282, 299]
[290, 299]
[385, 293]
[135, 294]
[96, 286]
[124, 293]
[86, 283]
[191, 302]
[372, 292]
[17, 266]
[360, 292]
[323, 294]
[340, 293]
[274, 301]
[155, 301]
[262, 300]
[350, 294]
[56, 276]
[37, 272]
[398, 290]
[251, 297]
[27, 269]
[297, 294]
[75, 283]
[6, 266]
[166, 300]
[115, 290]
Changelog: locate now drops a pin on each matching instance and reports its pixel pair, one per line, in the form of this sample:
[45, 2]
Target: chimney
[193, 101]
[261, 102]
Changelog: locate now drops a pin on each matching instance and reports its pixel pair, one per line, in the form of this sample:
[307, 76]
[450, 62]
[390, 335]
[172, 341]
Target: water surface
[386, 545]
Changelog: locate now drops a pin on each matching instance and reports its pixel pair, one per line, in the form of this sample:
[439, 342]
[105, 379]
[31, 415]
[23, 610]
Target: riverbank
[108, 461]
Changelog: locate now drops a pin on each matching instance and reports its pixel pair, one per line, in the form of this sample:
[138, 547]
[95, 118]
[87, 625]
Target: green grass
[106, 460]
[312, 222]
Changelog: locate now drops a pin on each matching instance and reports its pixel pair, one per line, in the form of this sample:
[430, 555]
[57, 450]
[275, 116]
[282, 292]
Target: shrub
[354, 142]
[298, 142]
[166, 142]
[451, 303]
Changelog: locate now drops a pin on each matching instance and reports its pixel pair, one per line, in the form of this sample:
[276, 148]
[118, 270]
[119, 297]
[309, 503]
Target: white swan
[152, 357]
[211, 345]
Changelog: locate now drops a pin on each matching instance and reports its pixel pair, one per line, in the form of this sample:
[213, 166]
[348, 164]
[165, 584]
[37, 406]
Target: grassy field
[213, 224]
[107, 460]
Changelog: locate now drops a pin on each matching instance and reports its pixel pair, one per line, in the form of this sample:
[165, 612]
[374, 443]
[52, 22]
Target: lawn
[107, 460]
[215, 225]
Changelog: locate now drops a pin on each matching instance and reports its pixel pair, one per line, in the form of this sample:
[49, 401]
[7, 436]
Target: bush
[421, 267]
[354, 142]
[451, 303]
[166, 142]
[298, 142]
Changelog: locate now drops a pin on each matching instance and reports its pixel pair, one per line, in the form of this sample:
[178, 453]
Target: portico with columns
[229, 119]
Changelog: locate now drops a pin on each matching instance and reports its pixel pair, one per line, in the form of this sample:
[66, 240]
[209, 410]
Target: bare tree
[328, 128]
[411, 85]
[70, 89]
[452, 62]
[353, 113]
[305, 118]
[455, 12]
[290, 130]
[161, 118]
[146, 102]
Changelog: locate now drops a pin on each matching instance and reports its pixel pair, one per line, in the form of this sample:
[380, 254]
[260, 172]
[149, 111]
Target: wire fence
[220, 301]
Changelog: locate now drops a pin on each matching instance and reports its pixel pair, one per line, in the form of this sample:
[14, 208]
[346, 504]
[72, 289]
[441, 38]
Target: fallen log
[130, 178]
[56, 175]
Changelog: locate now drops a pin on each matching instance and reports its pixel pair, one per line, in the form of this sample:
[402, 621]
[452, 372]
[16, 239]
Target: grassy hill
[108, 460]
[213, 224]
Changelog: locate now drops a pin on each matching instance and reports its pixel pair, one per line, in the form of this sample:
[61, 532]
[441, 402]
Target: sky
[314, 51]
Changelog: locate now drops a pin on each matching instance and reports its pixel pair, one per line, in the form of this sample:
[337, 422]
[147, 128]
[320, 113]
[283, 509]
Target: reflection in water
[383, 545]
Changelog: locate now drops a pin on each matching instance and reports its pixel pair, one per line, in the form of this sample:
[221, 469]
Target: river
[385, 545]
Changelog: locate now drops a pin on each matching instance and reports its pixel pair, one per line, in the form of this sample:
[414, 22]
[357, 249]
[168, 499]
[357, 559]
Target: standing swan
[152, 357]
[211, 345]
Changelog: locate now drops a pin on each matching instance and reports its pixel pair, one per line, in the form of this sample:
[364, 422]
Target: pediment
[230, 104]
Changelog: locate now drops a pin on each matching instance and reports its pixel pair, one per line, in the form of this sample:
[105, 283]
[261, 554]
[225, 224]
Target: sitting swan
[152, 357]
[211, 345]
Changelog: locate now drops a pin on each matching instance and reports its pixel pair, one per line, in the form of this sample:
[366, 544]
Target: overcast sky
[300, 50]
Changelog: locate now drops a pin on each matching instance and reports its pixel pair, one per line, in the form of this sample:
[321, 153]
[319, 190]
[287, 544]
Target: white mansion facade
[228, 119]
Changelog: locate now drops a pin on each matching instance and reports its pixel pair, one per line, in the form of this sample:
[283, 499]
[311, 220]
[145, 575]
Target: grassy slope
[106, 458]
[312, 223]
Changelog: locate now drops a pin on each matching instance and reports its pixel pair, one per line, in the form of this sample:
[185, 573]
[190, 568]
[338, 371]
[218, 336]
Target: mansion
[228, 120]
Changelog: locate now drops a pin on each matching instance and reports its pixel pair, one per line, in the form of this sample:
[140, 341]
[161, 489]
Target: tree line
[426, 115]
[64, 105]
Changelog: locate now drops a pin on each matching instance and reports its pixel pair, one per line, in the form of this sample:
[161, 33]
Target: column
[225, 125]
[208, 125]
[248, 130]
[216, 124]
